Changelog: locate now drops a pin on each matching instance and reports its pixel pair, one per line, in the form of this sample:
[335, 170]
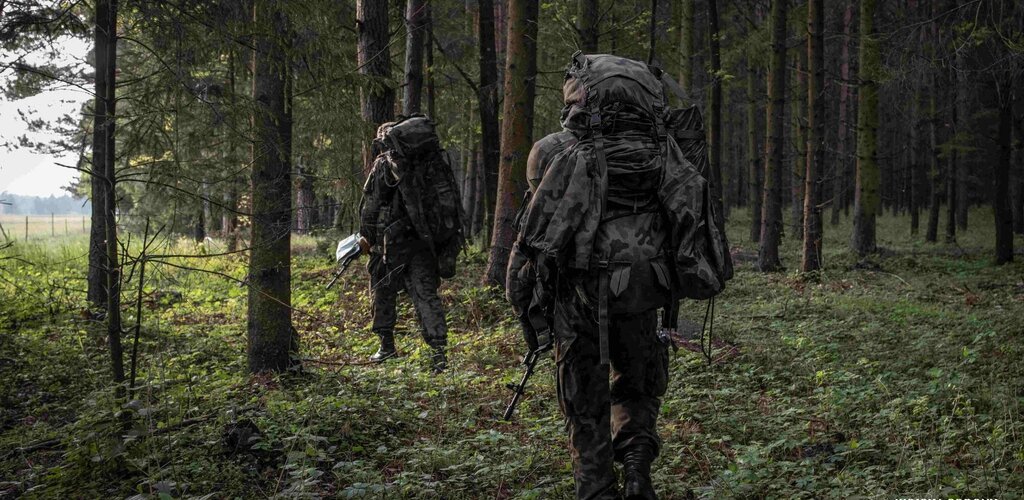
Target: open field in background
[900, 377]
[42, 226]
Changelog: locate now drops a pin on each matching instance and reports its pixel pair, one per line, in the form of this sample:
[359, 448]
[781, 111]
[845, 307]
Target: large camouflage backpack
[427, 186]
[622, 214]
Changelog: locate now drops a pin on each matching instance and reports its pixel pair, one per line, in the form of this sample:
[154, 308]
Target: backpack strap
[605, 269]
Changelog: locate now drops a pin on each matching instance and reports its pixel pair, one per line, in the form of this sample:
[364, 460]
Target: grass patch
[904, 381]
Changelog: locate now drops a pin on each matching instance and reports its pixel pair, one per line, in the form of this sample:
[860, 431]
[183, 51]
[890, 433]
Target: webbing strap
[602, 315]
[602, 165]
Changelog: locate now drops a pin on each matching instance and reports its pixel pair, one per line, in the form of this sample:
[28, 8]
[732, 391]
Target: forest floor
[899, 378]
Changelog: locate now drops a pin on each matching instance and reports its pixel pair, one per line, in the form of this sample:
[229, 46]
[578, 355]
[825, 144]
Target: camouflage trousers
[417, 274]
[608, 409]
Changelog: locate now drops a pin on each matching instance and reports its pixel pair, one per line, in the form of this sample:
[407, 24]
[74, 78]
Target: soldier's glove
[535, 340]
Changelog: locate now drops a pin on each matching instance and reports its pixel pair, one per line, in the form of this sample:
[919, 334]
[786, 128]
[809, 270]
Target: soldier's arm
[369, 206]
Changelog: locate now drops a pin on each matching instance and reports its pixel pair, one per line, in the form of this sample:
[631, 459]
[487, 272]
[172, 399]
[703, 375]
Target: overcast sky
[22, 171]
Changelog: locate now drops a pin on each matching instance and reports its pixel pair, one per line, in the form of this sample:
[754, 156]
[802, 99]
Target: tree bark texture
[867, 199]
[1018, 219]
[686, 38]
[517, 132]
[715, 128]
[812, 237]
[1001, 177]
[428, 46]
[951, 181]
[415, 26]
[934, 174]
[771, 219]
[589, 13]
[661, 18]
[796, 187]
[304, 201]
[755, 174]
[840, 165]
[105, 64]
[490, 128]
[103, 158]
[373, 57]
[271, 338]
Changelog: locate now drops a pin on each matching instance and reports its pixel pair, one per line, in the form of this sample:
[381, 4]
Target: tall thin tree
[839, 172]
[771, 219]
[490, 128]
[715, 130]
[517, 132]
[867, 199]
[755, 174]
[373, 57]
[272, 340]
[815, 135]
[103, 158]
[104, 61]
[415, 24]
[1003, 91]
[588, 29]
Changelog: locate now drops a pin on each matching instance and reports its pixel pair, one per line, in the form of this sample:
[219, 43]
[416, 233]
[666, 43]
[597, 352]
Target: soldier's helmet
[543, 152]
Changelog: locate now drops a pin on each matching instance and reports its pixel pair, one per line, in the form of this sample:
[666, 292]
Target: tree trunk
[962, 129]
[517, 133]
[1001, 177]
[811, 260]
[490, 129]
[105, 64]
[755, 175]
[229, 226]
[715, 128]
[376, 98]
[840, 168]
[304, 201]
[103, 157]
[271, 338]
[415, 19]
[935, 176]
[867, 201]
[661, 17]
[796, 188]
[1018, 220]
[771, 219]
[951, 181]
[429, 48]
[687, 54]
[915, 169]
[589, 25]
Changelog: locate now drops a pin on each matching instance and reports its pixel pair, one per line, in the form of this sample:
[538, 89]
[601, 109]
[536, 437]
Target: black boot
[438, 360]
[637, 471]
[387, 347]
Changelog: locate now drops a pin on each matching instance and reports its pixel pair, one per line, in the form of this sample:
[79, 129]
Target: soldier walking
[413, 231]
[616, 229]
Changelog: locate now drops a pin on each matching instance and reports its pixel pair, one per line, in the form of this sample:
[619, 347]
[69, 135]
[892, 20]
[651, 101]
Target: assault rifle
[518, 389]
[348, 250]
[543, 343]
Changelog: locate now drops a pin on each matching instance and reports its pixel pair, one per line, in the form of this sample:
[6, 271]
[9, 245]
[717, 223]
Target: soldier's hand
[529, 333]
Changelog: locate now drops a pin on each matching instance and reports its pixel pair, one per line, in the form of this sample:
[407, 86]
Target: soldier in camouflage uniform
[401, 260]
[598, 245]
